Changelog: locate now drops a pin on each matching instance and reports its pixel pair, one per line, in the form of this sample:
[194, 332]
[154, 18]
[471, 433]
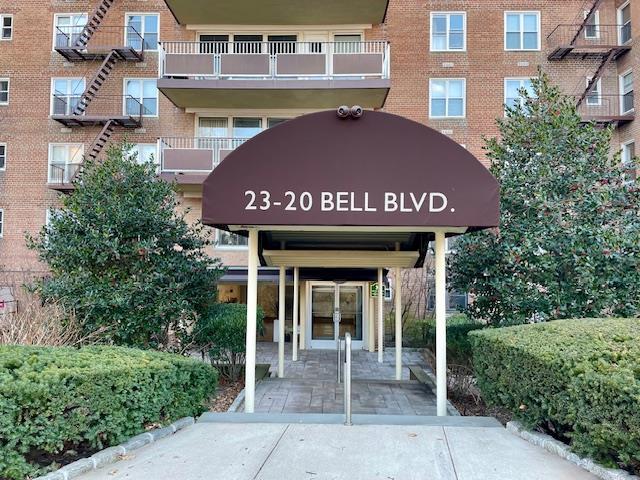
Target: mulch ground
[225, 395]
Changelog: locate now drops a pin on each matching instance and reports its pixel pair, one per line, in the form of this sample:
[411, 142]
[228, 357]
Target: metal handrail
[347, 379]
[339, 349]
[72, 36]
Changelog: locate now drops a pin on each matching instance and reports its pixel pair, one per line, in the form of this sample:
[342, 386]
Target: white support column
[380, 317]
[252, 307]
[303, 315]
[441, 326]
[398, 309]
[282, 282]
[296, 293]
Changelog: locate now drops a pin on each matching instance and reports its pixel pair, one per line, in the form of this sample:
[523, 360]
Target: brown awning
[380, 170]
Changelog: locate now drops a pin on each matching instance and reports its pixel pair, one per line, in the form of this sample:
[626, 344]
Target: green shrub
[222, 335]
[458, 343]
[53, 399]
[580, 379]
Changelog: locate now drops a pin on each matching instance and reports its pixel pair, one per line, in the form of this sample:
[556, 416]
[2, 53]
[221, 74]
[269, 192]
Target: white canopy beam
[340, 258]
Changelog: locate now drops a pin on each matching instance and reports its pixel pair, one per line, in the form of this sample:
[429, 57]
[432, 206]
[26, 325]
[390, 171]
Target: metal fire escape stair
[93, 87]
[94, 22]
[101, 140]
[606, 60]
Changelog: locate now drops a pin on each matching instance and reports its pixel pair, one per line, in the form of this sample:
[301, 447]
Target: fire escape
[91, 43]
[600, 45]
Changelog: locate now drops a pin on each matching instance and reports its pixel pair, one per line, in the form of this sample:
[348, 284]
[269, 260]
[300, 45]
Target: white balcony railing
[275, 60]
[195, 155]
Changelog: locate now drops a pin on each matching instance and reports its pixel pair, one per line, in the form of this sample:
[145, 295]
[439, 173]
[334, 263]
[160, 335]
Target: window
[624, 22]
[6, 27]
[512, 89]
[64, 161]
[4, 91]
[347, 43]
[448, 31]
[67, 28]
[65, 95]
[50, 214]
[145, 152]
[447, 98]
[141, 93]
[626, 89]
[227, 239]
[272, 122]
[595, 95]
[592, 28]
[247, 43]
[246, 127]
[3, 156]
[522, 31]
[628, 161]
[143, 28]
[1, 222]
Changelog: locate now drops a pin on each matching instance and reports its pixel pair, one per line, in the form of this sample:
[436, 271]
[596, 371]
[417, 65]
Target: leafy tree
[123, 257]
[568, 244]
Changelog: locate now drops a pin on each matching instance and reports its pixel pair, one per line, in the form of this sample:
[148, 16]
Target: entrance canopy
[380, 183]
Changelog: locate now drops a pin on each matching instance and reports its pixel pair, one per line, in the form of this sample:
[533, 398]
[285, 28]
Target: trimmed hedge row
[578, 378]
[53, 399]
[458, 343]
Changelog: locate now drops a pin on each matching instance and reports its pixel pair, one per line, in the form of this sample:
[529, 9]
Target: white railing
[195, 154]
[270, 60]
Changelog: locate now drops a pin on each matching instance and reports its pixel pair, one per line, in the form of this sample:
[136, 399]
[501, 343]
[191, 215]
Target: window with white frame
[592, 27]
[3, 156]
[226, 239]
[50, 214]
[628, 160]
[64, 161]
[522, 30]
[6, 27]
[447, 97]
[1, 222]
[512, 91]
[4, 91]
[448, 31]
[626, 90]
[141, 95]
[65, 95]
[67, 28]
[143, 28]
[145, 152]
[594, 97]
[624, 22]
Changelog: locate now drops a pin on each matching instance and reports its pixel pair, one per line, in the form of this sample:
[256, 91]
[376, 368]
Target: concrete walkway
[464, 449]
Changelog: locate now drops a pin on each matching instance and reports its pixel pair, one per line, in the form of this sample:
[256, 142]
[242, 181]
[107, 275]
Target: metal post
[347, 379]
[380, 317]
[296, 294]
[281, 320]
[441, 325]
[338, 348]
[252, 304]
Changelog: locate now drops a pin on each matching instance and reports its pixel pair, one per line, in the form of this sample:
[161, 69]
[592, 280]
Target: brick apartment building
[187, 81]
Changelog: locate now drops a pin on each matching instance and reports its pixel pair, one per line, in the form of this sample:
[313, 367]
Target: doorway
[335, 309]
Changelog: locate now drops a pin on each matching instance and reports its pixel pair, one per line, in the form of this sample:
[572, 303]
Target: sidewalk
[227, 448]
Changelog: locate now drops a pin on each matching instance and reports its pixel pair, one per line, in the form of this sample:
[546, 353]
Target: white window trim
[623, 148]
[621, 86]
[464, 31]
[2, 17]
[53, 80]
[596, 91]
[156, 14]
[62, 144]
[596, 18]
[522, 13]
[136, 149]
[6, 156]
[218, 246]
[619, 21]
[506, 79]
[1, 222]
[55, 24]
[124, 95]
[8, 80]
[464, 99]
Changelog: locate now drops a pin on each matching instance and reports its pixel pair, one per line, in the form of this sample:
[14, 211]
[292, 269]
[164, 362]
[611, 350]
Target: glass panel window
[595, 95]
[447, 98]
[626, 87]
[628, 161]
[592, 27]
[143, 29]
[347, 43]
[66, 94]
[624, 19]
[522, 31]
[246, 127]
[3, 156]
[282, 44]
[512, 89]
[6, 27]
[68, 27]
[4, 91]
[247, 43]
[213, 127]
[144, 153]
[228, 239]
[448, 31]
[214, 43]
[141, 92]
[272, 122]
[64, 160]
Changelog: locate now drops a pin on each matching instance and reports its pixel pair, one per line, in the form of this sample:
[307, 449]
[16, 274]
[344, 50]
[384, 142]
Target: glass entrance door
[335, 310]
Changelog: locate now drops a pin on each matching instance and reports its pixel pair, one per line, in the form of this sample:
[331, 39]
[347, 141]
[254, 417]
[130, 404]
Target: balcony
[77, 43]
[588, 41]
[607, 109]
[61, 176]
[93, 110]
[189, 160]
[275, 74]
[278, 12]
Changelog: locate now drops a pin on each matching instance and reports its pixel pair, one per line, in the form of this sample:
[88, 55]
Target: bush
[579, 379]
[458, 343]
[55, 399]
[222, 335]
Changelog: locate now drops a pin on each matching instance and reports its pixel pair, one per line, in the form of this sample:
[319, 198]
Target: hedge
[55, 399]
[458, 344]
[579, 379]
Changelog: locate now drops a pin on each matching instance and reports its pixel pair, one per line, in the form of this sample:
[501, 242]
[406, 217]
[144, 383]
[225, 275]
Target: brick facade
[30, 62]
